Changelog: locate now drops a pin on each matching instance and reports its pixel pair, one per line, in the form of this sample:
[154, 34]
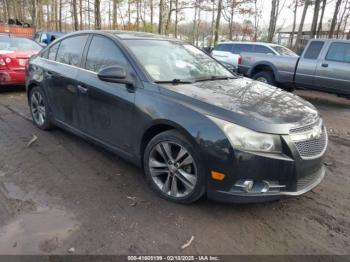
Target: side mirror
[114, 74]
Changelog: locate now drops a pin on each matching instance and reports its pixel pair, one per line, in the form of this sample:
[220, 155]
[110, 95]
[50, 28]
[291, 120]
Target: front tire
[173, 168]
[39, 109]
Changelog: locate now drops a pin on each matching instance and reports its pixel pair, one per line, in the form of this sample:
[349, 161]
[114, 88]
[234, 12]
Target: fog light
[246, 185]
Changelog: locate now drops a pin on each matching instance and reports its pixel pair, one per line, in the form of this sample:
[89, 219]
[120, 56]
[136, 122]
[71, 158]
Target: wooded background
[201, 22]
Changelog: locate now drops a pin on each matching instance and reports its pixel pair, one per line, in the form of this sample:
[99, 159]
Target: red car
[14, 54]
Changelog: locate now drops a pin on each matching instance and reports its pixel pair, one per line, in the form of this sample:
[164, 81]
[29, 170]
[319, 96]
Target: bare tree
[75, 15]
[115, 14]
[295, 10]
[97, 14]
[81, 24]
[301, 26]
[217, 22]
[273, 20]
[334, 19]
[315, 18]
[319, 29]
[160, 23]
[342, 17]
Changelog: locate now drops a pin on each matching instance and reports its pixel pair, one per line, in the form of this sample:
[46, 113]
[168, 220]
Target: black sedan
[193, 126]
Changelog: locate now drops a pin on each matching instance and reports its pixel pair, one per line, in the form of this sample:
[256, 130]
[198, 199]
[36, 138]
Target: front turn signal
[217, 176]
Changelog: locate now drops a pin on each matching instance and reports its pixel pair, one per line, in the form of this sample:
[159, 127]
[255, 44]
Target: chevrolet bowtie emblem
[316, 132]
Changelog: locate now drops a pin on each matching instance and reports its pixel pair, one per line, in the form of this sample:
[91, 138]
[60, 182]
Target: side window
[224, 47]
[103, 52]
[314, 50]
[243, 48]
[53, 51]
[339, 52]
[263, 50]
[71, 50]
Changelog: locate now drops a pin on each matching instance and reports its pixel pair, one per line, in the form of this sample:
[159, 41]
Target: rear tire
[173, 168]
[265, 77]
[39, 109]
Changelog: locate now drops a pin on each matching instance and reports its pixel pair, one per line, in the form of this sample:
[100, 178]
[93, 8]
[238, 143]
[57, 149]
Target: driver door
[106, 108]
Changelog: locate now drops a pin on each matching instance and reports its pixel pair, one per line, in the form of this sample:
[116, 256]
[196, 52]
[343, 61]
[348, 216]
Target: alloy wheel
[38, 108]
[172, 169]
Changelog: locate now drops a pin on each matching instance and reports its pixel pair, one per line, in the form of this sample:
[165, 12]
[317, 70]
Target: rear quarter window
[314, 50]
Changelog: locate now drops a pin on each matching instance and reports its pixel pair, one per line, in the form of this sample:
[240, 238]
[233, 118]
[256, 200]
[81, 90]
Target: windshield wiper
[175, 81]
[212, 78]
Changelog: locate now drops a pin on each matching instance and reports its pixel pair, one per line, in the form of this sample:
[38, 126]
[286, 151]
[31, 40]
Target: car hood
[249, 103]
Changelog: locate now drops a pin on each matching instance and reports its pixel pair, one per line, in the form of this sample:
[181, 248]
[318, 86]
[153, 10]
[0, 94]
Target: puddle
[41, 230]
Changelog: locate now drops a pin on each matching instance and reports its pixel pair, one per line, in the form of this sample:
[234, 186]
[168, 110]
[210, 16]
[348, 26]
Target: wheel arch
[264, 66]
[160, 126]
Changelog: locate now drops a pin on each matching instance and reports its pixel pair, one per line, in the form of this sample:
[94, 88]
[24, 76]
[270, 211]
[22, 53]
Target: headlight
[249, 140]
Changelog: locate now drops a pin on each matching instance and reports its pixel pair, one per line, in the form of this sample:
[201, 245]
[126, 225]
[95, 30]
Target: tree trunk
[89, 14]
[194, 22]
[168, 21]
[34, 14]
[294, 23]
[319, 29]
[334, 19]
[315, 18]
[176, 18]
[138, 15]
[59, 16]
[160, 24]
[348, 36]
[301, 26]
[75, 15]
[81, 25]
[152, 11]
[232, 9]
[342, 18]
[217, 23]
[115, 14]
[129, 14]
[212, 24]
[273, 20]
[97, 14]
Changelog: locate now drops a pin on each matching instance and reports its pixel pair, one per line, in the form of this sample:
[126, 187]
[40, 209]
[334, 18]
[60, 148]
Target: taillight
[239, 60]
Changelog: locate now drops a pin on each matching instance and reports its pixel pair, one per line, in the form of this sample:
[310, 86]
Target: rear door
[306, 68]
[60, 75]
[107, 109]
[333, 69]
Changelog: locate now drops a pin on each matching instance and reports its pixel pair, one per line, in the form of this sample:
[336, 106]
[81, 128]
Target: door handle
[324, 65]
[82, 89]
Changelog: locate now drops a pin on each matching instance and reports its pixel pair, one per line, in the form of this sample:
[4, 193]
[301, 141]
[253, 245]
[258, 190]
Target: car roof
[246, 43]
[124, 35]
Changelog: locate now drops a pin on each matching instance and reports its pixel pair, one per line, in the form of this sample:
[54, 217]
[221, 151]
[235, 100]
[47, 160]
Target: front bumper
[243, 197]
[294, 172]
[12, 77]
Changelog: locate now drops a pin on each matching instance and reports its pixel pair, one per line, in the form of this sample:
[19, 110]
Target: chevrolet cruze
[194, 127]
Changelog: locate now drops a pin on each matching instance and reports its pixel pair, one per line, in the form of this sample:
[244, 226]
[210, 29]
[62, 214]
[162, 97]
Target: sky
[285, 17]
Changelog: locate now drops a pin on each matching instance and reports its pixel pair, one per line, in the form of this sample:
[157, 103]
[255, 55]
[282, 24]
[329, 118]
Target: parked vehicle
[46, 38]
[171, 109]
[230, 52]
[14, 54]
[324, 65]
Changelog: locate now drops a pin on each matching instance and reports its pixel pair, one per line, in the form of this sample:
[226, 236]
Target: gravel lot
[61, 194]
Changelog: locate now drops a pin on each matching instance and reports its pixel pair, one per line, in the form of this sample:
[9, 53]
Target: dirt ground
[61, 194]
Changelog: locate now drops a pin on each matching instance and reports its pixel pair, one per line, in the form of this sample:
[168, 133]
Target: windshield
[18, 44]
[170, 60]
[283, 50]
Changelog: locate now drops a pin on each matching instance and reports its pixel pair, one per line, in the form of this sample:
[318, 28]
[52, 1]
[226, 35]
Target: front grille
[307, 180]
[312, 148]
[308, 144]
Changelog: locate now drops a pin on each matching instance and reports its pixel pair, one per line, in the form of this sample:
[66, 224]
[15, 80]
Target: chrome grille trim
[313, 147]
